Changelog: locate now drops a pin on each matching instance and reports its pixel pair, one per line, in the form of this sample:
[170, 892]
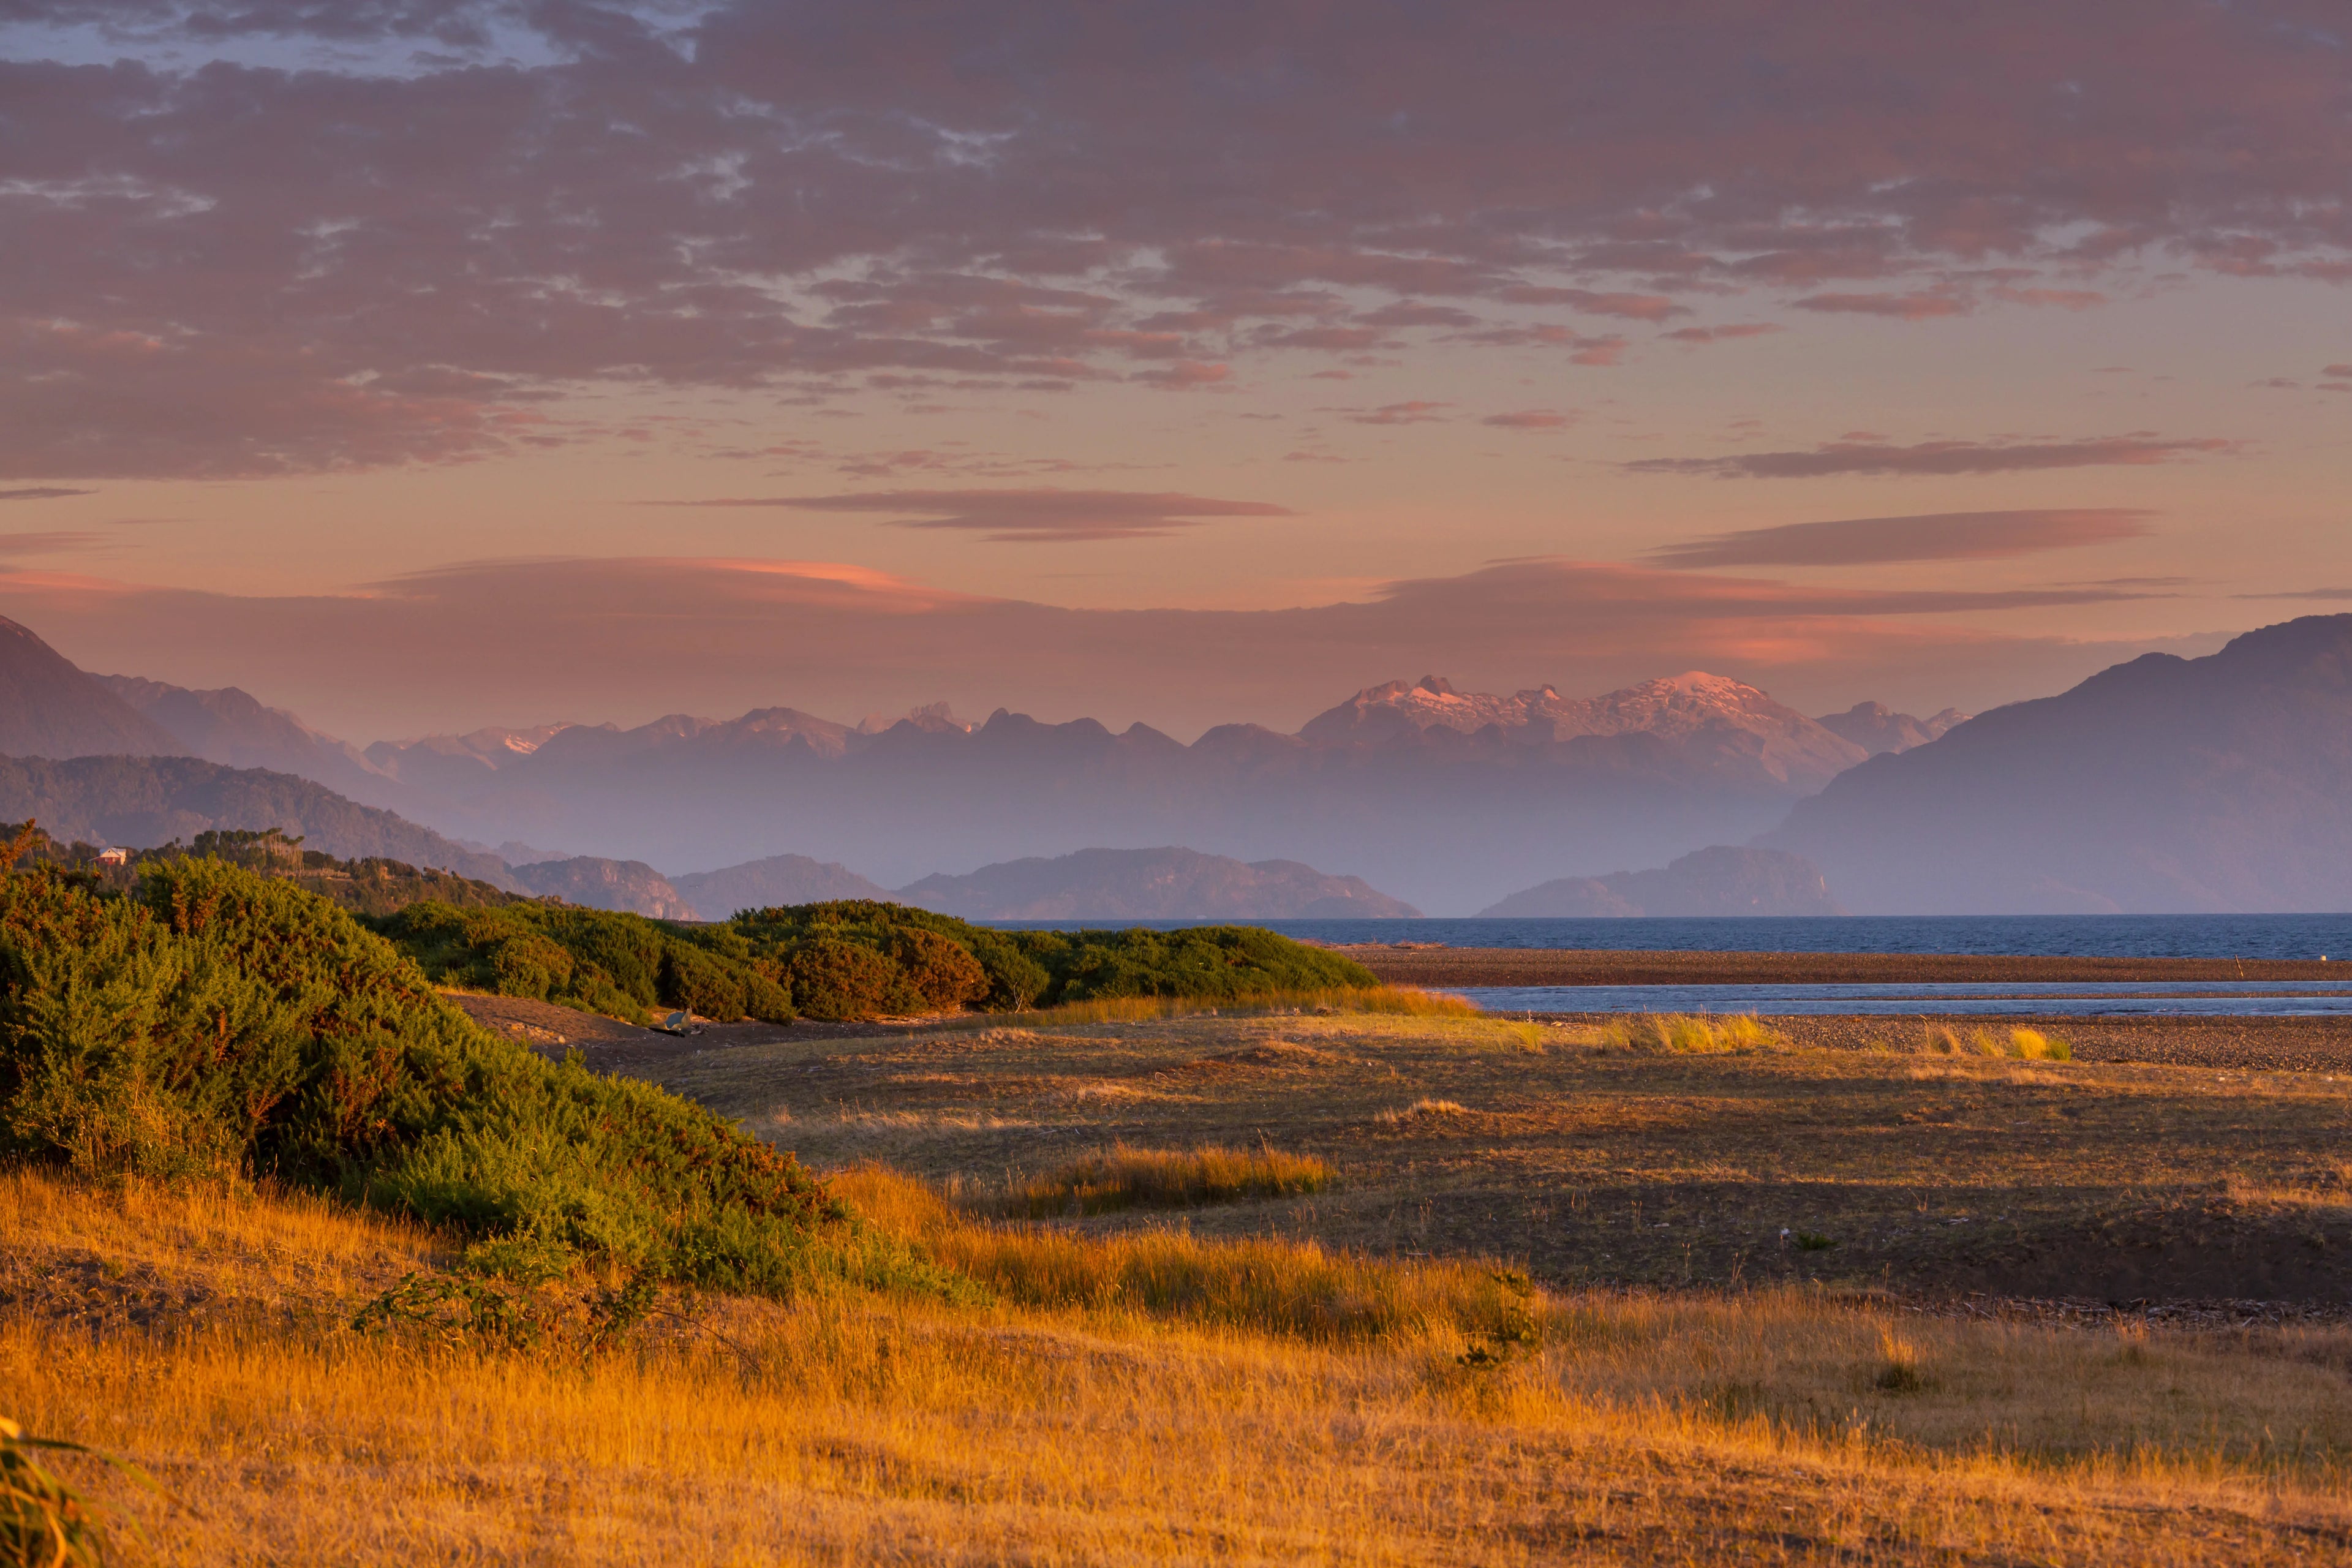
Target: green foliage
[460, 1311]
[859, 957]
[596, 960]
[851, 959]
[43, 1523]
[221, 1021]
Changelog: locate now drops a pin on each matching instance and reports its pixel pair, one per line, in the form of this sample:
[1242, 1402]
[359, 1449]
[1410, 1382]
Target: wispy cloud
[1022, 517]
[2319, 593]
[1936, 536]
[49, 543]
[1945, 459]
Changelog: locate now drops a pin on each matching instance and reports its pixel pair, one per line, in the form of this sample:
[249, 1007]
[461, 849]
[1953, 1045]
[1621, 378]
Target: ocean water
[2239, 999]
[2079, 936]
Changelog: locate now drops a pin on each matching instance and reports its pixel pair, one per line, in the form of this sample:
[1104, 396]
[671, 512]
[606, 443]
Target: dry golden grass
[1124, 1177]
[1685, 1034]
[2023, 1045]
[1400, 1001]
[1123, 1428]
[1585, 1161]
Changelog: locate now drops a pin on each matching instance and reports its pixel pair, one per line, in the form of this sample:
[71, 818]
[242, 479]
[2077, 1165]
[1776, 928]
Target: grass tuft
[1423, 1107]
[1292, 1290]
[1685, 1034]
[1125, 1177]
[2016, 1045]
[1898, 1365]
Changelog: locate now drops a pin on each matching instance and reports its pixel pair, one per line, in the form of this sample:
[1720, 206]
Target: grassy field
[1260, 1402]
[1413, 1354]
[1585, 1161]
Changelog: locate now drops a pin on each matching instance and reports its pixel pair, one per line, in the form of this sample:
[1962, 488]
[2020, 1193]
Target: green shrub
[836, 978]
[596, 960]
[220, 1021]
[850, 959]
[1029, 968]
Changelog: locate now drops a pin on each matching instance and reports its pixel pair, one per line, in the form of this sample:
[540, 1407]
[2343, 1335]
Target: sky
[422, 364]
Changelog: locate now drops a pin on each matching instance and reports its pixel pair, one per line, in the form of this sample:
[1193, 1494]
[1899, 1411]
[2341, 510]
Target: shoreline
[1446, 967]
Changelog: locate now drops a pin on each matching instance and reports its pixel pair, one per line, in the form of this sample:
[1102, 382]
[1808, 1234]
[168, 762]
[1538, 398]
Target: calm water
[2123, 936]
[2274, 998]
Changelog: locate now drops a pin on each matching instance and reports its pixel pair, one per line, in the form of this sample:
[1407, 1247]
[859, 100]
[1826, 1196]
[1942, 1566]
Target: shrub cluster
[851, 959]
[859, 957]
[600, 962]
[219, 1021]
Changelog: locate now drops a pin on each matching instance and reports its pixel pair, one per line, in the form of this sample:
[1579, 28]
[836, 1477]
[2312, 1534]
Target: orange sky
[1177, 365]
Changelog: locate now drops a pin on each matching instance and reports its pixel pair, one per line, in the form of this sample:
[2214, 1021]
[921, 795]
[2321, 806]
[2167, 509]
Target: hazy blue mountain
[1718, 880]
[2221, 783]
[599, 884]
[1876, 728]
[1447, 799]
[1149, 884]
[51, 709]
[144, 802]
[232, 726]
[778, 879]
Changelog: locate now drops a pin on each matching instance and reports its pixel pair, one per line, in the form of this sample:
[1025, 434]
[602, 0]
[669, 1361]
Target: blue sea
[2305, 937]
[2073, 936]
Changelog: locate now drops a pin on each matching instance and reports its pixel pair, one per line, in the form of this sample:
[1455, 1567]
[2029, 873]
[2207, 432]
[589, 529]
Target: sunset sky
[418, 364]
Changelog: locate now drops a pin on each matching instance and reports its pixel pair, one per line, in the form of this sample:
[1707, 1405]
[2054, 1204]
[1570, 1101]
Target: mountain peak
[48, 708]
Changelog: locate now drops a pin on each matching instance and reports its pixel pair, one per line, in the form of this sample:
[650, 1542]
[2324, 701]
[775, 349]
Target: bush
[854, 959]
[835, 979]
[596, 960]
[223, 1022]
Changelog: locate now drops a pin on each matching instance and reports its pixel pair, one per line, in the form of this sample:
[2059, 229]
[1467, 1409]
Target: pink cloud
[1414, 413]
[1531, 419]
[1722, 334]
[1869, 455]
[1902, 307]
[1022, 517]
[413, 251]
[1941, 536]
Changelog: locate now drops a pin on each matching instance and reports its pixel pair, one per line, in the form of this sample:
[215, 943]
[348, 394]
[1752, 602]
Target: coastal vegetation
[279, 1227]
[1143, 1395]
[219, 1024]
[847, 959]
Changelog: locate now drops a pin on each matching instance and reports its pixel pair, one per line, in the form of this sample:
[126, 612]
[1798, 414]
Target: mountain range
[2162, 783]
[1434, 796]
[1721, 880]
[2166, 784]
[1150, 884]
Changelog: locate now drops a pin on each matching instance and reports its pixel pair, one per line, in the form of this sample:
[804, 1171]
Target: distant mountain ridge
[1150, 884]
[51, 709]
[767, 883]
[1693, 705]
[1447, 797]
[1436, 796]
[1878, 729]
[146, 802]
[232, 727]
[2221, 783]
[1720, 879]
[596, 883]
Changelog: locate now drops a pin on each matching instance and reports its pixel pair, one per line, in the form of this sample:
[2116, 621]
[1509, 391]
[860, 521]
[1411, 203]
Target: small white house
[114, 857]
